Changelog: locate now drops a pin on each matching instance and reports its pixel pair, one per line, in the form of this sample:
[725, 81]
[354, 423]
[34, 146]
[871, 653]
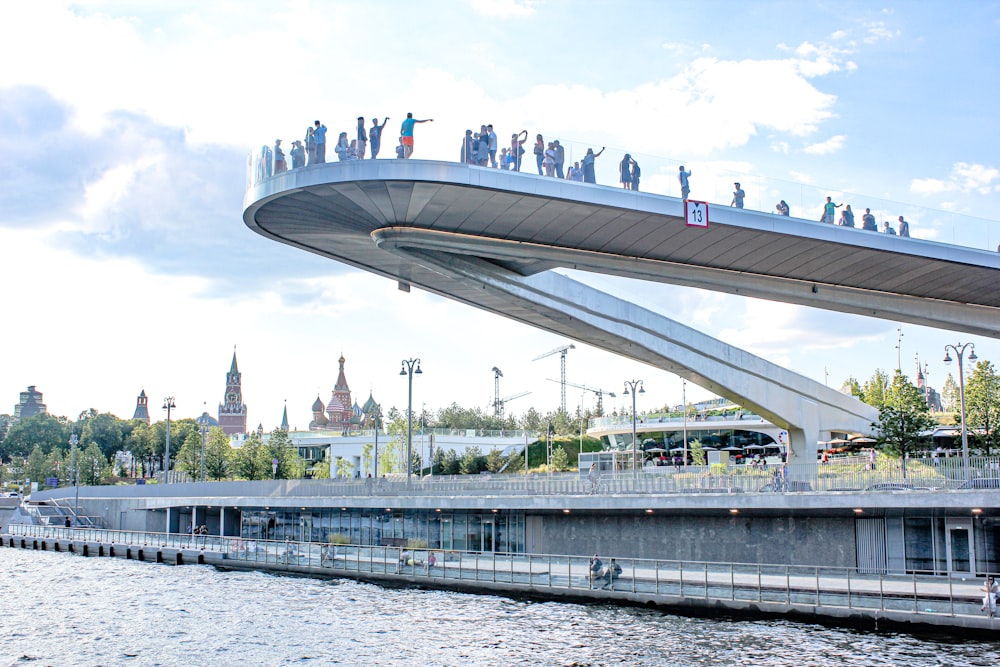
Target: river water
[61, 609]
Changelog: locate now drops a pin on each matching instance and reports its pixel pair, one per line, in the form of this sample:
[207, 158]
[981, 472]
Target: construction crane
[503, 401]
[600, 394]
[497, 374]
[561, 351]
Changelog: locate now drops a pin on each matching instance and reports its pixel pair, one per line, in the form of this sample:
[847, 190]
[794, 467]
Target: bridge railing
[871, 589]
[852, 474]
[712, 182]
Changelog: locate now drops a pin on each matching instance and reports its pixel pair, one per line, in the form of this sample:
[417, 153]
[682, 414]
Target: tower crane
[497, 405]
[599, 392]
[561, 351]
[503, 401]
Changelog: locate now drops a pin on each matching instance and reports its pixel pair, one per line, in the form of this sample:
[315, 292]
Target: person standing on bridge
[904, 228]
[517, 148]
[782, 208]
[588, 165]
[319, 137]
[829, 211]
[868, 221]
[738, 196]
[847, 217]
[625, 171]
[298, 155]
[375, 135]
[406, 133]
[683, 177]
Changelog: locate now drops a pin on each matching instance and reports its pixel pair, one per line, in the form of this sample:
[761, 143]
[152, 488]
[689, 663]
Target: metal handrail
[812, 586]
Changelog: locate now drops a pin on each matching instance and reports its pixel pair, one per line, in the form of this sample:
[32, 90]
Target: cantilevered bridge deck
[529, 224]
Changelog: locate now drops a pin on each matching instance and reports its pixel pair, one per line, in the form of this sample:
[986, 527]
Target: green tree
[531, 421]
[874, 390]
[290, 464]
[494, 460]
[902, 418]
[5, 422]
[345, 468]
[982, 405]
[36, 467]
[139, 440]
[104, 429]
[57, 466]
[42, 430]
[472, 461]
[697, 453]
[950, 394]
[93, 466]
[218, 454]
[321, 470]
[515, 462]
[253, 460]
[189, 457]
[448, 464]
[851, 387]
[560, 459]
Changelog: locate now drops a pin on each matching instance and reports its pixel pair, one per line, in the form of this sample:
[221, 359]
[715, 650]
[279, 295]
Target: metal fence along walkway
[832, 592]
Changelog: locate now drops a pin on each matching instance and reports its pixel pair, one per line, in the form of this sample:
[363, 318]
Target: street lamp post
[636, 387]
[73, 441]
[204, 431]
[410, 366]
[168, 405]
[377, 417]
[959, 351]
[684, 400]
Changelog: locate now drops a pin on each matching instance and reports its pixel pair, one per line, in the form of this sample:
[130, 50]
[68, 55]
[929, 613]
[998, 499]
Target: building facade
[29, 404]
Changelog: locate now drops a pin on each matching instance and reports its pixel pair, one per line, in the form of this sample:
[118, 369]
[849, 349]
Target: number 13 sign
[696, 213]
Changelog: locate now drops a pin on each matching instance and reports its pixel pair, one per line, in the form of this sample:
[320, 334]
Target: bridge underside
[490, 239]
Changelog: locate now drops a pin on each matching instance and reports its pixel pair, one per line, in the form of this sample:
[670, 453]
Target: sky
[126, 126]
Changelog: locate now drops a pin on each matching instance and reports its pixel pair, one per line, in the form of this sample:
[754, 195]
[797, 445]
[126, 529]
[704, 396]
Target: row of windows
[462, 531]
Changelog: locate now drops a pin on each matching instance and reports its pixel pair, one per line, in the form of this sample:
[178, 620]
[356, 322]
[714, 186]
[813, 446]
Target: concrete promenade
[834, 595]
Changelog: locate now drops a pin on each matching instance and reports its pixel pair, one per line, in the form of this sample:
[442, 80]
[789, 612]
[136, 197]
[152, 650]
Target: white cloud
[876, 31]
[838, 34]
[504, 8]
[831, 145]
[964, 177]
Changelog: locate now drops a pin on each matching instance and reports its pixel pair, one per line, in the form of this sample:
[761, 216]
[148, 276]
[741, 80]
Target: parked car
[981, 483]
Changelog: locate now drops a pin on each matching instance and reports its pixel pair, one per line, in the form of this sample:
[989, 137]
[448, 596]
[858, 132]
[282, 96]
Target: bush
[338, 538]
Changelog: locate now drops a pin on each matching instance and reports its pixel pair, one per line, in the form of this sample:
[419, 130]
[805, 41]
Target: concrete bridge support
[557, 303]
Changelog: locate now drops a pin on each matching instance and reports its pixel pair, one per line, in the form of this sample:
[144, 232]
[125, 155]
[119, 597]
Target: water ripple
[60, 609]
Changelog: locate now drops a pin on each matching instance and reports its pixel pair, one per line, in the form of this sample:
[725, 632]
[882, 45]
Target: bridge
[492, 239]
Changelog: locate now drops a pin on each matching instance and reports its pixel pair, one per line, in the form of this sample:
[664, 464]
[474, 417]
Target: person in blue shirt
[683, 177]
[738, 196]
[319, 136]
[406, 133]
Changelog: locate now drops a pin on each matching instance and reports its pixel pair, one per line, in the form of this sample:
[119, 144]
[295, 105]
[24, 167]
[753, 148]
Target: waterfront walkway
[839, 595]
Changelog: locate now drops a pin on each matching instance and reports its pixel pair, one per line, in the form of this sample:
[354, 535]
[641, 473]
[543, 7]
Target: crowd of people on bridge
[481, 149]
[847, 218]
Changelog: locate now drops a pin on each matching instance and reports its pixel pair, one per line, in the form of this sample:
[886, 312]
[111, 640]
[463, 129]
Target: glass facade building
[499, 531]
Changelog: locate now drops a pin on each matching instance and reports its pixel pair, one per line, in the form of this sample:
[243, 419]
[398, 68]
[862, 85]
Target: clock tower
[233, 411]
